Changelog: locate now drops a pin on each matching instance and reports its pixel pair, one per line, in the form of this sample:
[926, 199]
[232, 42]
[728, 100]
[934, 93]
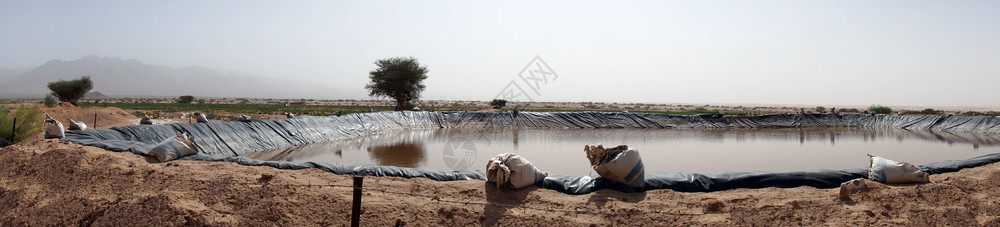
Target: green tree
[399, 78]
[498, 103]
[50, 100]
[929, 111]
[880, 109]
[72, 90]
[185, 99]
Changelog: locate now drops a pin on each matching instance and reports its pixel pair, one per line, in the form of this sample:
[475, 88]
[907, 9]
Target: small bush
[51, 101]
[29, 122]
[880, 109]
[702, 110]
[970, 113]
[185, 99]
[72, 90]
[498, 103]
[929, 111]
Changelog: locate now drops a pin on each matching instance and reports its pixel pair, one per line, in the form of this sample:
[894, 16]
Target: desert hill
[117, 76]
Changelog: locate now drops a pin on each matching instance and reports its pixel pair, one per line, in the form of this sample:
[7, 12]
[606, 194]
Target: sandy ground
[51, 182]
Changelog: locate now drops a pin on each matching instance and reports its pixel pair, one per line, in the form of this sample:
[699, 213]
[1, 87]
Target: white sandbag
[243, 118]
[175, 147]
[619, 164]
[893, 172]
[513, 170]
[77, 125]
[200, 118]
[54, 129]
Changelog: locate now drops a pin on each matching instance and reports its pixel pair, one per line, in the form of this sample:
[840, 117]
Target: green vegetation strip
[323, 110]
[316, 110]
[29, 121]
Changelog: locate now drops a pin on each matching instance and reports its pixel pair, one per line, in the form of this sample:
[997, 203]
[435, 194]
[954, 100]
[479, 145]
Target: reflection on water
[698, 150]
[402, 154]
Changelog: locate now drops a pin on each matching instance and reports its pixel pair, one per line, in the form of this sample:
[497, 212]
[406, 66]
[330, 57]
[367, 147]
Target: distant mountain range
[116, 76]
[94, 95]
[9, 74]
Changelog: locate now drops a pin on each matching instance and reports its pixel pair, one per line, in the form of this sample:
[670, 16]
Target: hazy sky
[940, 53]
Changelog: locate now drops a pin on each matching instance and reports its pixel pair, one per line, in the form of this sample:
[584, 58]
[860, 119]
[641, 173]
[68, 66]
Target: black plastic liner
[224, 141]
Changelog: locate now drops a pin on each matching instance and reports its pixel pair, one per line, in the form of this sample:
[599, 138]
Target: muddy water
[560, 151]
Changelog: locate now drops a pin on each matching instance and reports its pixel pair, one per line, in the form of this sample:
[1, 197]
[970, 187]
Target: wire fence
[577, 210]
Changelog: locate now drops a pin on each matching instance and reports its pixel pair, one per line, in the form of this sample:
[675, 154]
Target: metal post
[356, 209]
[13, 129]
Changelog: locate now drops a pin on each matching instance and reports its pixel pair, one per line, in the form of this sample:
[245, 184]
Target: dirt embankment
[50, 182]
[105, 117]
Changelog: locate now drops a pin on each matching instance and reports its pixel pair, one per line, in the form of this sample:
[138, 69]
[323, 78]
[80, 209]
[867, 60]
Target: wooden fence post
[356, 209]
[13, 129]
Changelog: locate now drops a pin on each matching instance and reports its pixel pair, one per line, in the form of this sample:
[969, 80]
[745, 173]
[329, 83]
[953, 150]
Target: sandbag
[54, 129]
[145, 120]
[200, 118]
[513, 170]
[175, 147]
[243, 118]
[619, 164]
[893, 172]
[77, 125]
